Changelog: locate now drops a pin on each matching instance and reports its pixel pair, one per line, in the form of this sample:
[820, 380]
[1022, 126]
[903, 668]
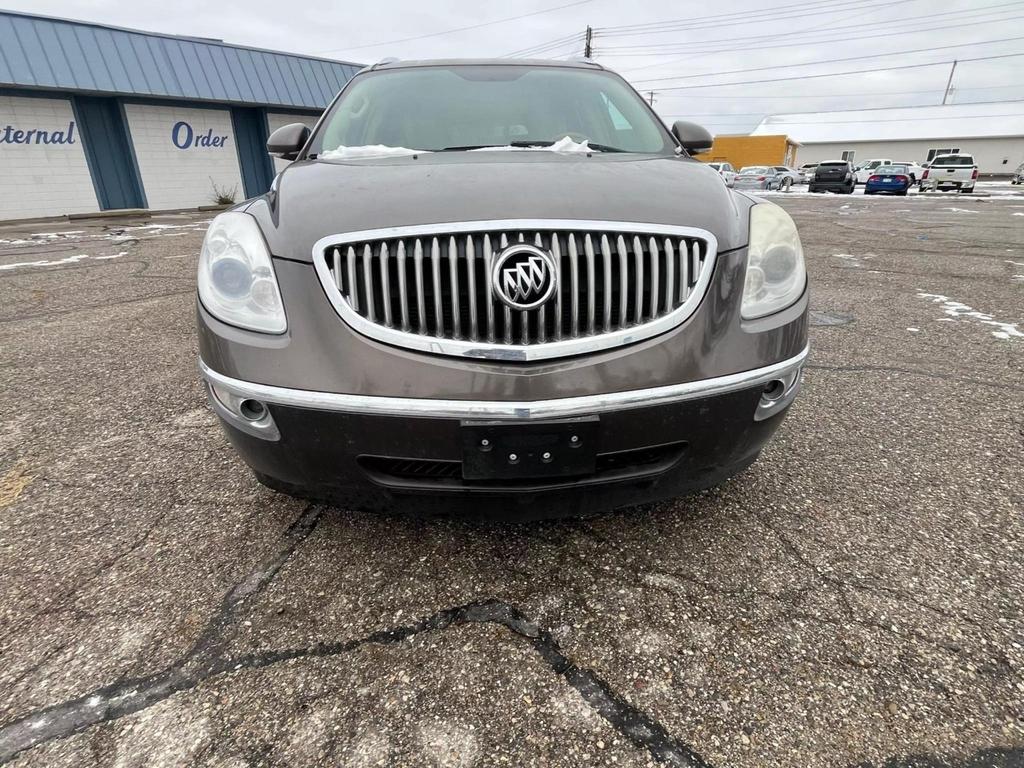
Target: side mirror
[288, 140]
[694, 138]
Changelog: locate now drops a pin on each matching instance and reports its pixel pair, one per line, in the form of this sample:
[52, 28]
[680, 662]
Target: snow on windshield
[563, 145]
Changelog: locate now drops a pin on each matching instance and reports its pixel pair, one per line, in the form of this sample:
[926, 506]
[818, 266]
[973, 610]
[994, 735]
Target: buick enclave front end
[502, 288]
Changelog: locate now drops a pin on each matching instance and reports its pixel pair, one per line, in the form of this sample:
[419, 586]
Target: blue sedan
[895, 179]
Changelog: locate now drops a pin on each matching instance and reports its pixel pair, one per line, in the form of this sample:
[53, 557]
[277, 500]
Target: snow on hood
[564, 144]
[370, 150]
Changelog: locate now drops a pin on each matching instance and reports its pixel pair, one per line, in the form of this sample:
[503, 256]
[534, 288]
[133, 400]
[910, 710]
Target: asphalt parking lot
[856, 598]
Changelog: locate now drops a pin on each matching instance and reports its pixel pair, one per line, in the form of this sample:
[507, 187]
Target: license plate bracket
[499, 450]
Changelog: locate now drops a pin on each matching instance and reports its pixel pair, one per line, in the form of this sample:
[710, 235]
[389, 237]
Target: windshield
[464, 107]
[757, 169]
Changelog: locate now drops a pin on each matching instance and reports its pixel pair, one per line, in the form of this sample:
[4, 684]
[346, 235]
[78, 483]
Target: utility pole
[949, 83]
[587, 43]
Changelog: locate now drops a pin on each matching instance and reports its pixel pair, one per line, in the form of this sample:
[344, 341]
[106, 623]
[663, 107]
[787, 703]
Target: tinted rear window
[833, 166]
[953, 160]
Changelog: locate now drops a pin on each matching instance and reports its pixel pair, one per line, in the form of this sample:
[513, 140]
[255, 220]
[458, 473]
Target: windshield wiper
[467, 147]
[525, 145]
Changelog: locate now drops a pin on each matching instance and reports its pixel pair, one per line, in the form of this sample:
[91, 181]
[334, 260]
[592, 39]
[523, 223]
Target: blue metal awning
[51, 53]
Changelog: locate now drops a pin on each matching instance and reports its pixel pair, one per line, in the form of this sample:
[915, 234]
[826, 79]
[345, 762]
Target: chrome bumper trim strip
[501, 409]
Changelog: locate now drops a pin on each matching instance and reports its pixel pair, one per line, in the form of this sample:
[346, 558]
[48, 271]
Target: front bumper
[394, 452]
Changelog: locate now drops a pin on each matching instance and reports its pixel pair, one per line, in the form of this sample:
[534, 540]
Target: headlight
[236, 278]
[775, 262]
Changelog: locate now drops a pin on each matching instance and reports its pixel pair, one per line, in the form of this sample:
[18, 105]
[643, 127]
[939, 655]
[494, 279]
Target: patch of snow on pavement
[61, 262]
[960, 210]
[54, 263]
[957, 310]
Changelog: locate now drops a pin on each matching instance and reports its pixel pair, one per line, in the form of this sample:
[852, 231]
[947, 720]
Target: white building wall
[991, 155]
[42, 174]
[183, 153]
[277, 120]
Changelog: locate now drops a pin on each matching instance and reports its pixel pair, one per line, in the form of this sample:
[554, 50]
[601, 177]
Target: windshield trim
[671, 148]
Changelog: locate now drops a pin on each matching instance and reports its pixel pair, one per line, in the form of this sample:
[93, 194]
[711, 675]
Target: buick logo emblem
[524, 276]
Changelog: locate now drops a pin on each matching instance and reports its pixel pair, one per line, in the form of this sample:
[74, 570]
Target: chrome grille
[429, 287]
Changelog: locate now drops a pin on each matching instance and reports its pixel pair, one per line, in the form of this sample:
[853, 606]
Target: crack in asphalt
[207, 658]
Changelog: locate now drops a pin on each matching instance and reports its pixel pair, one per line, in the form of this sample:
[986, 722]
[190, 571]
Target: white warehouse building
[993, 132]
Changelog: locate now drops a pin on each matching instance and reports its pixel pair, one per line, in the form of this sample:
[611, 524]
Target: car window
[953, 160]
[461, 106]
[833, 165]
[893, 170]
[761, 169]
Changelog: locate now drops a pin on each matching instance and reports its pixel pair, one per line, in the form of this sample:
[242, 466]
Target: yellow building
[741, 151]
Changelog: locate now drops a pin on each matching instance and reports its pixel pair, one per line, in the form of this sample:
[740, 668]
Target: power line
[799, 32]
[834, 95]
[549, 43]
[649, 50]
[832, 61]
[750, 18]
[803, 97]
[836, 74]
[702, 21]
[457, 29]
[575, 41]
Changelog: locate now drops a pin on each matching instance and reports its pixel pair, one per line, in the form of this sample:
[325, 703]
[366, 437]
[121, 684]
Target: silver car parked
[763, 177]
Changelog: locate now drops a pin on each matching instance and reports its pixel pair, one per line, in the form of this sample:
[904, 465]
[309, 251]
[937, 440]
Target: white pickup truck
[865, 169]
[950, 172]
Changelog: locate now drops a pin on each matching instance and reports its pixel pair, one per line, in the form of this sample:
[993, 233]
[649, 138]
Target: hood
[310, 200]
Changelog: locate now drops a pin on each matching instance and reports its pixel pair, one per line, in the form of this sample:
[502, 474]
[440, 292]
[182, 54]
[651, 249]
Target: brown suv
[501, 287]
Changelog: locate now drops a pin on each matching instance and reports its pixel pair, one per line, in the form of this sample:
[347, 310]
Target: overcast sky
[743, 35]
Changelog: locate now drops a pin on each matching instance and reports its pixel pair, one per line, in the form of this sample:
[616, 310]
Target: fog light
[773, 390]
[253, 410]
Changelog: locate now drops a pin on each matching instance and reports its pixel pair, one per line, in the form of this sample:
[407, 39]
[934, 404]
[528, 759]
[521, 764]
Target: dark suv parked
[502, 287]
[833, 176]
